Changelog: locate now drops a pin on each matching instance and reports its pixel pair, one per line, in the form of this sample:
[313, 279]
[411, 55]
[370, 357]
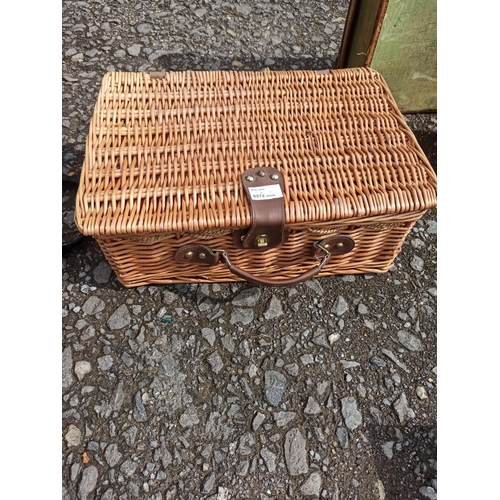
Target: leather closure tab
[264, 187]
[335, 245]
[197, 254]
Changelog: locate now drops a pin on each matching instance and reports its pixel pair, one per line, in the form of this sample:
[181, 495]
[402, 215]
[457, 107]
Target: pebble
[93, 305]
[362, 309]
[295, 453]
[257, 420]
[120, 318]
[417, 263]
[274, 309]
[82, 368]
[240, 315]
[421, 392]
[67, 368]
[88, 482]
[411, 342]
[208, 483]
[403, 411]
[428, 492]
[274, 386]
[312, 407]
[73, 436]
[189, 418]
[307, 359]
[112, 455]
[144, 28]
[269, 459]
[102, 272]
[292, 369]
[350, 412]
[342, 436]
[247, 298]
[340, 306]
[139, 410]
[387, 449]
[134, 50]
[128, 467]
[228, 343]
[105, 362]
[282, 418]
[312, 487]
[395, 360]
[215, 362]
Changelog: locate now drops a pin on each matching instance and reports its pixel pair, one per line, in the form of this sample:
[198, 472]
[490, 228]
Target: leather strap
[264, 188]
[200, 254]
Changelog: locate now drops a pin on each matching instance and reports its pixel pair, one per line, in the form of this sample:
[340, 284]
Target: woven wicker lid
[166, 154]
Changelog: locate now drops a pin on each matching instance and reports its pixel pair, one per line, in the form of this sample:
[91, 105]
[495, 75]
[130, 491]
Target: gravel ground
[226, 391]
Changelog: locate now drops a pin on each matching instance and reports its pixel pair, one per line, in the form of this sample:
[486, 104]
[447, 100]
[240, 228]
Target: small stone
[88, 482]
[240, 315]
[340, 306]
[209, 335]
[257, 420]
[93, 305]
[247, 298]
[312, 487]
[134, 50]
[228, 343]
[312, 407]
[82, 368]
[208, 483]
[105, 362]
[349, 364]
[428, 492]
[269, 459]
[362, 309]
[244, 9]
[67, 368]
[144, 28]
[387, 449]
[200, 12]
[411, 342]
[307, 359]
[112, 455]
[102, 272]
[274, 386]
[128, 467]
[295, 453]
[189, 417]
[222, 493]
[242, 468]
[342, 436]
[74, 436]
[282, 418]
[274, 309]
[292, 369]
[352, 416]
[120, 318]
[215, 361]
[139, 410]
[417, 263]
[421, 392]
[402, 409]
[431, 227]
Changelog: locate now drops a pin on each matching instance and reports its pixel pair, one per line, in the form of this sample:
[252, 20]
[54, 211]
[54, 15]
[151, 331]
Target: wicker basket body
[165, 155]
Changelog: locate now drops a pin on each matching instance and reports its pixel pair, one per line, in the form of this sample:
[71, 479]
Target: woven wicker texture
[164, 159]
[166, 154]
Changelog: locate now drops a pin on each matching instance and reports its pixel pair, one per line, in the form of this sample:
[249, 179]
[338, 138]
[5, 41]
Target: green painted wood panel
[405, 54]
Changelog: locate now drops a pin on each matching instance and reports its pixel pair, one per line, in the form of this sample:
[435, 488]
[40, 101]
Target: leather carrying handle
[286, 282]
[200, 254]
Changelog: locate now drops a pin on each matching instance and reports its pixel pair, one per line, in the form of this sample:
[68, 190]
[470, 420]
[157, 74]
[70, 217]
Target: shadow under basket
[267, 177]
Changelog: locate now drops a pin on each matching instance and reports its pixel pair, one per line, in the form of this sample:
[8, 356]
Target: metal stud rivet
[275, 177]
[327, 245]
[202, 255]
[189, 255]
[250, 178]
[261, 173]
[339, 244]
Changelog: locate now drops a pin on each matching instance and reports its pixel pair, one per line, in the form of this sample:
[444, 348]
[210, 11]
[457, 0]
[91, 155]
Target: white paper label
[265, 192]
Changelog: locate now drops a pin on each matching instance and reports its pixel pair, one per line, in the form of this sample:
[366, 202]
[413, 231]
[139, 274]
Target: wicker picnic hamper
[269, 177]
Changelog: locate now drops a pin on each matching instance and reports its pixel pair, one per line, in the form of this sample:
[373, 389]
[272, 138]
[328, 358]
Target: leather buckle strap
[264, 187]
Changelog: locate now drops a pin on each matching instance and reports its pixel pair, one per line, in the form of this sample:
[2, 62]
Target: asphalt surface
[326, 389]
